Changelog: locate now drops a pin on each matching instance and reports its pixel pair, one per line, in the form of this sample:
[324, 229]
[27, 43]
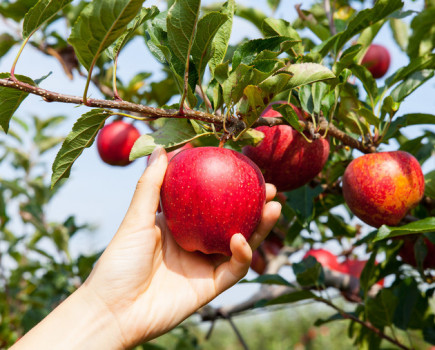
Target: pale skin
[144, 284]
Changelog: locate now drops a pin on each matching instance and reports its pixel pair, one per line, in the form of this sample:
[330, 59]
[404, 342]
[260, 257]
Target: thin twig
[329, 15]
[238, 334]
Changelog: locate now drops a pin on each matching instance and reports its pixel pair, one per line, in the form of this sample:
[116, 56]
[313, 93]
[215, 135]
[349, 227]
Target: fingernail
[155, 155]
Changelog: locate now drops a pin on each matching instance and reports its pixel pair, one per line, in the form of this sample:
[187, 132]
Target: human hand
[147, 281]
[145, 284]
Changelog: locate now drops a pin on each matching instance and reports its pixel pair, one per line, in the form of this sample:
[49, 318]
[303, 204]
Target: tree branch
[155, 113]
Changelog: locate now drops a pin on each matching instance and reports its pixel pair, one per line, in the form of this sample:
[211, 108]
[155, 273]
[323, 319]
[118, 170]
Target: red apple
[286, 159]
[380, 188]
[354, 268]
[270, 248]
[209, 194]
[408, 255]
[178, 150]
[377, 60]
[325, 258]
[115, 141]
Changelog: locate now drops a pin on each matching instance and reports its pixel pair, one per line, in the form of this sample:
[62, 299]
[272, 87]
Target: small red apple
[209, 194]
[270, 248]
[408, 255]
[380, 188]
[325, 258]
[377, 60]
[286, 159]
[354, 268]
[115, 141]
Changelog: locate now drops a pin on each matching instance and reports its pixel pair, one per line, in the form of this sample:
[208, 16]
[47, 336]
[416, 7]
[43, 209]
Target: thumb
[143, 206]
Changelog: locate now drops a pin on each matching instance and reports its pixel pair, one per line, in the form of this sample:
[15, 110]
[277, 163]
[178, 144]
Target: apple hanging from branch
[115, 141]
[380, 188]
[377, 60]
[285, 157]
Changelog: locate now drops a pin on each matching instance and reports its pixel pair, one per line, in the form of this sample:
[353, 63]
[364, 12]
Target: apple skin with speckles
[285, 158]
[115, 141]
[380, 188]
[208, 195]
[377, 60]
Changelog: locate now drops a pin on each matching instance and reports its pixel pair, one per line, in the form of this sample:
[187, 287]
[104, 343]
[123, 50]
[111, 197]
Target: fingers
[270, 192]
[146, 198]
[228, 273]
[271, 213]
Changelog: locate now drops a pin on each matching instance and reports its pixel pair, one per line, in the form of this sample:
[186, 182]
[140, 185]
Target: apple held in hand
[270, 248]
[377, 60]
[325, 258]
[380, 188]
[209, 194]
[286, 159]
[115, 141]
[178, 150]
[407, 252]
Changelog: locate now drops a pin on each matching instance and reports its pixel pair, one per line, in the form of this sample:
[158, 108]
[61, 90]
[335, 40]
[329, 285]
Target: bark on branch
[155, 113]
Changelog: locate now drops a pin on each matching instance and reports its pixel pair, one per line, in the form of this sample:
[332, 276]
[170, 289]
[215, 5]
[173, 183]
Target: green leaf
[339, 227]
[99, 25]
[417, 64]
[269, 279]
[400, 32]
[289, 114]
[309, 272]
[207, 28]
[273, 27]
[173, 134]
[81, 136]
[422, 26]
[6, 43]
[156, 37]
[16, 9]
[380, 310]
[10, 100]
[361, 21]
[429, 182]
[247, 52]
[318, 91]
[368, 116]
[145, 14]
[307, 73]
[288, 298]
[238, 80]
[222, 37]
[302, 200]
[273, 4]
[253, 106]
[366, 37]
[42, 12]
[409, 119]
[366, 78]
[181, 24]
[410, 84]
[416, 227]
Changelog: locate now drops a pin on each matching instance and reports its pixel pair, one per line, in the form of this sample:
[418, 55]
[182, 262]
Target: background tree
[213, 93]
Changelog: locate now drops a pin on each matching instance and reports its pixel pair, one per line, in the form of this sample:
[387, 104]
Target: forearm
[82, 321]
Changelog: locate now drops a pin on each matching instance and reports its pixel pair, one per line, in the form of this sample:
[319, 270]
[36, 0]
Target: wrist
[82, 321]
